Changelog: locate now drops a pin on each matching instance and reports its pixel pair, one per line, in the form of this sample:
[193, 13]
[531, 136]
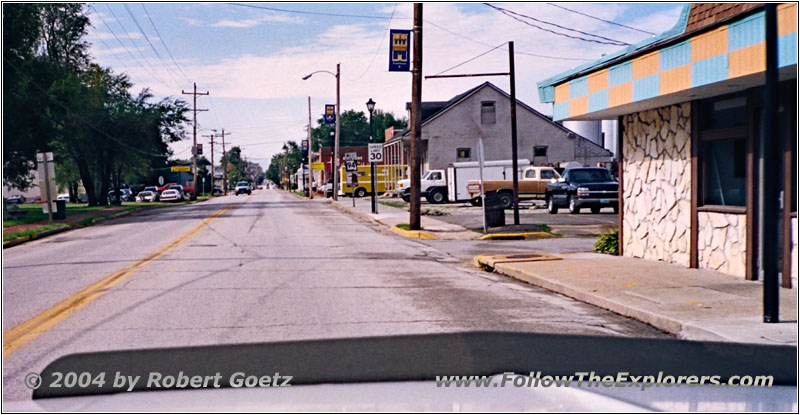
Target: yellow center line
[24, 333]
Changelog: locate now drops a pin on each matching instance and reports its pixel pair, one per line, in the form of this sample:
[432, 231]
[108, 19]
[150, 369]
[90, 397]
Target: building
[689, 105]
[450, 132]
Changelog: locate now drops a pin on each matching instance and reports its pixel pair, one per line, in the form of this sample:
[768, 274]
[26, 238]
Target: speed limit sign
[376, 153]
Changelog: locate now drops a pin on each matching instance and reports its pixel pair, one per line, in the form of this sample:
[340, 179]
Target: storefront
[690, 109]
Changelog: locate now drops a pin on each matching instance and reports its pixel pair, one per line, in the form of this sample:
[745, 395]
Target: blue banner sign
[330, 114]
[399, 58]
[305, 146]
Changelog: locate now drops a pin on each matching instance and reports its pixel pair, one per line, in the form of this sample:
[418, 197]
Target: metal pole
[770, 157]
[416, 113]
[483, 197]
[47, 189]
[213, 176]
[335, 162]
[194, 139]
[514, 161]
[372, 180]
[308, 154]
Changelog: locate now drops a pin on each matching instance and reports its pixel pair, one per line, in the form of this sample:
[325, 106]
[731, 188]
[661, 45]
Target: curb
[681, 329]
[40, 235]
[353, 212]
[412, 234]
[516, 236]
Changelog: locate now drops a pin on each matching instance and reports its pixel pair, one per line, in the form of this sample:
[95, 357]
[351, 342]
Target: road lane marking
[25, 332]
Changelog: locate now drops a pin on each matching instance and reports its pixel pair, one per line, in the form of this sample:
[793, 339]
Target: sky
[251, 57]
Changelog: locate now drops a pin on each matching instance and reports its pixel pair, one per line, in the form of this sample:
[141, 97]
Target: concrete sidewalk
[392, 216]
[693, 304]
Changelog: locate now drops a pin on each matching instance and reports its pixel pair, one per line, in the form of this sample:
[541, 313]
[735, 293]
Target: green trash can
[61, 210]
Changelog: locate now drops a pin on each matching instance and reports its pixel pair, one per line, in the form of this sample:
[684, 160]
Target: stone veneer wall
[657, 184]
[722, 242]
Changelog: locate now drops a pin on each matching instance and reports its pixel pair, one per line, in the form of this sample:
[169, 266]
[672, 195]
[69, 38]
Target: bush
[608, 243]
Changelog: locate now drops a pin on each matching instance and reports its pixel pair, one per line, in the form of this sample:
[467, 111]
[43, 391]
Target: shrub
[608, 243]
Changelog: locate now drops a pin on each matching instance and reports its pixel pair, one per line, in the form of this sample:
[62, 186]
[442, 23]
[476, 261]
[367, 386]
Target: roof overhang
[725, 58]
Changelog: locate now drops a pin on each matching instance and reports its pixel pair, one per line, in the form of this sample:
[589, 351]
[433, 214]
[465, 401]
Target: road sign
[175, 169]
[160, 180]
[318, 165]
[350, 156]
[350, 165]
[376, 153]
[330, 114]
[305, 146]
[398, 51]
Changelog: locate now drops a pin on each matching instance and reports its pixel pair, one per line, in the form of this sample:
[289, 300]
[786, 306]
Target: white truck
[439, 186]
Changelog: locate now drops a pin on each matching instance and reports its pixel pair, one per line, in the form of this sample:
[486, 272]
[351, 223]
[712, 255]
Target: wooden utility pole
[335, 162]
[194, 133]
[224, 166]
[514, 162]
[416, 121]
[212, 162]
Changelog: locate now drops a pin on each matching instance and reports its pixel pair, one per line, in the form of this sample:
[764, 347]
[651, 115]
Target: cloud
[191, 21]
[266, 18]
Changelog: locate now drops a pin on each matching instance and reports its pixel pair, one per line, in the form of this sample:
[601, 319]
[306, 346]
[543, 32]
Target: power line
[138, 62]
[360, 16]
[472, 58]
[161, 38]
[147, 38]
[515, 52]
[147, 61]
[513, 15]
[602, 20]
[380, 45]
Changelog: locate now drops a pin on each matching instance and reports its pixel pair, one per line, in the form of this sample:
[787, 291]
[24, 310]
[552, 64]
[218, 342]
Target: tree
[354, 129]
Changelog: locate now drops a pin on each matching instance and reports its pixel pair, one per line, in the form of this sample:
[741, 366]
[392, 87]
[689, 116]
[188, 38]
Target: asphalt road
[269, 267]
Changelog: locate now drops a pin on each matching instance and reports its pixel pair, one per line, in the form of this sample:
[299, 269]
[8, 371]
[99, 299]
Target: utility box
[493, 210]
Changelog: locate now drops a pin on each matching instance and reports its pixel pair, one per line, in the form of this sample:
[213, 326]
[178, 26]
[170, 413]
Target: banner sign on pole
[305, 146]
[398, 51]
[330, 114]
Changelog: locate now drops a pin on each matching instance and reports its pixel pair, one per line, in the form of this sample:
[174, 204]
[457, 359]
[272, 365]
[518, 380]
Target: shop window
[539, 151]
[487, 112]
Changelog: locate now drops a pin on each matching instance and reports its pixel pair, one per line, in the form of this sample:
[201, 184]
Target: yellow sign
[180, 168]
[318, 166]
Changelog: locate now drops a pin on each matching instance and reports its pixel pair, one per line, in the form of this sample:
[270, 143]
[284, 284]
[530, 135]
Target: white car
[64, 196]
[146, 196]
[171, 195]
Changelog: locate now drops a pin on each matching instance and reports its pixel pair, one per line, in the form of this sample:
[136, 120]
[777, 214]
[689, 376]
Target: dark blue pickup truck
[589, 187]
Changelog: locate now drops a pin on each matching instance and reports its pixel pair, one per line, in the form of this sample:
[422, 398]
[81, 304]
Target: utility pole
[308, 152]
[514, 162]
[336, 143]
[194, 133]
[416, 114]
[224, 167]
[212, 163]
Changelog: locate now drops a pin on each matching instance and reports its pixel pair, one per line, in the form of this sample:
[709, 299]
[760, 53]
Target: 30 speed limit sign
[376, 153]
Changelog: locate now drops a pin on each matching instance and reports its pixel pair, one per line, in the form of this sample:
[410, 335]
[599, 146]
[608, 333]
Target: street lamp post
[371, 108]
[335, 161]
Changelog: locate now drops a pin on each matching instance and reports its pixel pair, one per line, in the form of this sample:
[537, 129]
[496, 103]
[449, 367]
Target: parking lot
[532, 214]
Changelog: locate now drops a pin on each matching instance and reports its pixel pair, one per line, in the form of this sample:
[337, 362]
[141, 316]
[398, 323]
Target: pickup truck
[432, 183]
[532, 184]
[590, 187]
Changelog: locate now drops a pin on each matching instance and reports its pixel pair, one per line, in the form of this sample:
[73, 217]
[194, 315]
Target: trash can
[61, 210]
[493, 210]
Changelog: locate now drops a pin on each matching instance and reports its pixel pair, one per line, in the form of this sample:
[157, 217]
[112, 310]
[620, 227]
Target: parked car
[583, 187]
[216, 191]
[171, 195]
[155, 191]
[63, 196]
[329, 188]
[243, 187]
[146, 196]
[16, 199]
[125, 195]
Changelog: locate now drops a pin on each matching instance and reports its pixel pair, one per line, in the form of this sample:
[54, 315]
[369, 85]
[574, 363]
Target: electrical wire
[161, 38]
[147, 38]
[472, 58]
[513, 15]
[360, 16]
[602, 20]
[380, 45]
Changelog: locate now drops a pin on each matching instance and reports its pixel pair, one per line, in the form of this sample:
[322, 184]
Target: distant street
[271, 267]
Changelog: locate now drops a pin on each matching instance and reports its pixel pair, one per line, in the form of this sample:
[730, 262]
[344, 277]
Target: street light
[335, 158]
[371, 108]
